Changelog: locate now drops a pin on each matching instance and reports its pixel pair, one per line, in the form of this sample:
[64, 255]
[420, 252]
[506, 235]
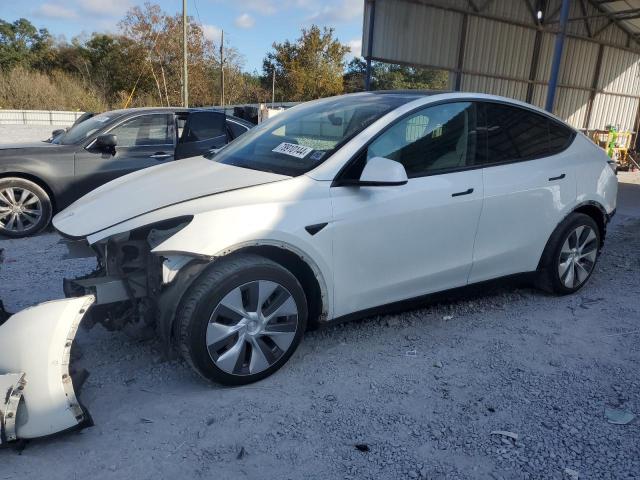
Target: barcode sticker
[293, 150]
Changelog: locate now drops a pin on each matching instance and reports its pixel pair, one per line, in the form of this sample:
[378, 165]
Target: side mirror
[57, 132]
[106, 142]
[382, 172]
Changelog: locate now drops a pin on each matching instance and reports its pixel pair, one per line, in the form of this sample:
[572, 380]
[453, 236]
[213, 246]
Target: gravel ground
[419, 392]
[26, 133]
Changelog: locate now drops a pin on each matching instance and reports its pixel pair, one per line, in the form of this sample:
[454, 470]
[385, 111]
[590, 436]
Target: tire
[25, 208]
[223, 332]
[570, 256]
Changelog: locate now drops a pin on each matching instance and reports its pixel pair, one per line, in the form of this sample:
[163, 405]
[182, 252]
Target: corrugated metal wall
[499, 54]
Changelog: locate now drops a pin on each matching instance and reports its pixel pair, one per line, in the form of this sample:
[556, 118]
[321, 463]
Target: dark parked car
[39, 179]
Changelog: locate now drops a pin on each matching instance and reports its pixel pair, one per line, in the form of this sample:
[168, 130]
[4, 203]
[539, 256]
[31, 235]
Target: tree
[160, 35]
[312, 67]
[385, 76]
[22, 44]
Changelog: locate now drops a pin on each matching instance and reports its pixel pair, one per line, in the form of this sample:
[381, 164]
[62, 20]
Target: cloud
[245, 21]
[212, 32]
[356, 47]
[112, 8]
[344, 11]
[263, 7]
[50, 10]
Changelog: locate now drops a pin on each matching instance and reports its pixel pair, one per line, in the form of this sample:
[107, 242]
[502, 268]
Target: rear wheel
[571, 255]
[25, 208]
[241, 320]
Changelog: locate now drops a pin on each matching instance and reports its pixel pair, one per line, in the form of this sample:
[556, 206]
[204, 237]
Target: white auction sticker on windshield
[293, 150]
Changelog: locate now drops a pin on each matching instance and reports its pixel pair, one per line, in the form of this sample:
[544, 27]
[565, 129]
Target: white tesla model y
[336, 208]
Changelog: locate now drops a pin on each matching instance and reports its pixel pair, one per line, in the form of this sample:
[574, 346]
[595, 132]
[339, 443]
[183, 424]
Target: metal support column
[463, 41]
[372, 17]
[557, 56]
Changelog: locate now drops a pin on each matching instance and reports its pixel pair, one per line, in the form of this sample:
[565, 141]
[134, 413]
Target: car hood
[154, 188]
[9, 148]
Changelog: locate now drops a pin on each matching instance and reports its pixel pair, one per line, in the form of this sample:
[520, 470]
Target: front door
[143, 141]
[398, 242]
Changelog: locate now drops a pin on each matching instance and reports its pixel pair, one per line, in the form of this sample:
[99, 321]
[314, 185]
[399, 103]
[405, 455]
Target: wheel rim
[20, 209]
[578, 256]
[252, 327]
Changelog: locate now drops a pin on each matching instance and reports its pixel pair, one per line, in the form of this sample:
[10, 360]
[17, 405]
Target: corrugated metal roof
[495, 86]
[498, 49]
[438, 45]
[620, 72]
[613, 110]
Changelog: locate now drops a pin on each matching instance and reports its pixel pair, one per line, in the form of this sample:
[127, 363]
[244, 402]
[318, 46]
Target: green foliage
[22, 44]
[385, 76]
[312, 67]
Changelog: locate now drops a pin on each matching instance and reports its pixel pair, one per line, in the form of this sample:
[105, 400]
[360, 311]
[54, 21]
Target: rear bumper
[37, 397]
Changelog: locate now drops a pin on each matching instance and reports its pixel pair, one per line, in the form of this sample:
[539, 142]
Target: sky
[251, 26]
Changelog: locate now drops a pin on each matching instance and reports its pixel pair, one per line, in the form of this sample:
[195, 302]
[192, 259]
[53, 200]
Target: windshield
[299, 139]
[80, 132]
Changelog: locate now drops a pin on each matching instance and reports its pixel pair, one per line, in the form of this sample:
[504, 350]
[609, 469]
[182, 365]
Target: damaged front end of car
[37, 393]
[131, 283]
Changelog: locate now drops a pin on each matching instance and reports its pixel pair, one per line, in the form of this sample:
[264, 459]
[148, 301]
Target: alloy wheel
[578, 256]
[252, 327]
[20, 209]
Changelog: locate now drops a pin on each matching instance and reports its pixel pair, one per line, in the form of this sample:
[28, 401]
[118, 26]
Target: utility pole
[273, 87]
[222, 68]
[185, 71]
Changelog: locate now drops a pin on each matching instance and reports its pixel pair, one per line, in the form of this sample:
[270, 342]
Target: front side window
[436, 139]
[301, 138]
[145, 130]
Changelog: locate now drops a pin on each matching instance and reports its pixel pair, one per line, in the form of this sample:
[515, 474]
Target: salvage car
[39, 179]
[336, 209]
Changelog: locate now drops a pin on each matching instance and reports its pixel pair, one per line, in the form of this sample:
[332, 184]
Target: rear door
[529, 181]
[202, 131]
[143, 141]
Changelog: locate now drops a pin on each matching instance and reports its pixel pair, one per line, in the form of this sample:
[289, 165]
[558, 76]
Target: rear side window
[514, 134]
[560, 137]
[204, 126]
[433, 140]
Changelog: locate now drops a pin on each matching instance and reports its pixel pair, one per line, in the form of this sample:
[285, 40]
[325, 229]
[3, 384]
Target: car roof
[433, 96]
[138, 110]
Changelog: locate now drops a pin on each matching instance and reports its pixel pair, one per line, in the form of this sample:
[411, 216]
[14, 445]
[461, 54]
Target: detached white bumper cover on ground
[37, 396]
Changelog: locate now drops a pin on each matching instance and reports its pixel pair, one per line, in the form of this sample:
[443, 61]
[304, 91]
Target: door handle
[466, 192]
[559, 177]
[160, 155]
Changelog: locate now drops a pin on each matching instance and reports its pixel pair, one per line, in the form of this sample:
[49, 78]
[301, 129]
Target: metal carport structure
[507, 47]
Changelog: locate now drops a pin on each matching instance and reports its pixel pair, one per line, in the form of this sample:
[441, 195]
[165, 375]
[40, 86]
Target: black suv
[39, 179]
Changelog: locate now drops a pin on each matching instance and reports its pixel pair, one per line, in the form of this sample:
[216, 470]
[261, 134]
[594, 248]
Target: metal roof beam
[598, 5]
[587, 25]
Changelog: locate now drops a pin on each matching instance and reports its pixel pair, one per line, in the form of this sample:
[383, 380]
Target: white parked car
[338, 208]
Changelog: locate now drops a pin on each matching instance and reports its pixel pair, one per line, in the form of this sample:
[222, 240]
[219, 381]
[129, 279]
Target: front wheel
[25, 208]
[241, 320]
[571, 255]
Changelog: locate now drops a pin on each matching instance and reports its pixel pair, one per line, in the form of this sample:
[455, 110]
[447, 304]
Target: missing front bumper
[37, 397]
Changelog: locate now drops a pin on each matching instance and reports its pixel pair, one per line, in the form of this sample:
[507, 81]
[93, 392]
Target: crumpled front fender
[37, 397]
